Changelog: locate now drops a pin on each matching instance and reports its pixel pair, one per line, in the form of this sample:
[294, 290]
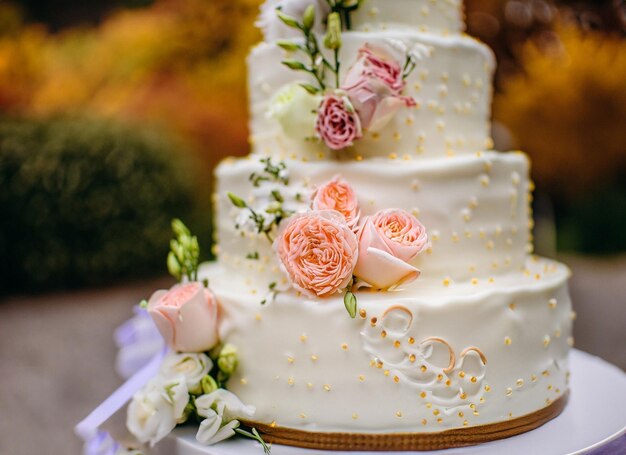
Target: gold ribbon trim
[457, 437]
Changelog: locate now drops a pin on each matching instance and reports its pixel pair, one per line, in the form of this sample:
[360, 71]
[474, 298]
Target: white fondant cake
[481, 337]
[375, 287]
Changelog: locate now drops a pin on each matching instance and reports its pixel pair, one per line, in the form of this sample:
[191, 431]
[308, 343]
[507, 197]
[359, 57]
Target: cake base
[593, 418]
[458, 437]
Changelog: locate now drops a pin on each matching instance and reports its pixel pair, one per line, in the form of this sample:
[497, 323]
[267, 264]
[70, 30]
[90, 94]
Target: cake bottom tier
[470, 357]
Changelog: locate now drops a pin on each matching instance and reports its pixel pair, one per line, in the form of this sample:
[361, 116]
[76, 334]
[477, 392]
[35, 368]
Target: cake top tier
[433, 16]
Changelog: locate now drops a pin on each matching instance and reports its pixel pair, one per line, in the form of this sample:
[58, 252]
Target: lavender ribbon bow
[141, 351]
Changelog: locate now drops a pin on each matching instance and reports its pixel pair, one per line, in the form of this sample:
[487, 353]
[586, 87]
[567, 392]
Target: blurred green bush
[87, 201]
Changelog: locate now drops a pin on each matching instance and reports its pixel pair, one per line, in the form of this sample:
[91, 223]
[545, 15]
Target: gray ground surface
[57, 353]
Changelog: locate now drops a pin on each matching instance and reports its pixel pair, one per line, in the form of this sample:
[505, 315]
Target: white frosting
[305, 364]
[442, 16]
[475, 209]
[451, 84]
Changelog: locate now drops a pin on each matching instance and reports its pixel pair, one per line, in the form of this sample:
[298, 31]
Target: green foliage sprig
[184, 255]
[254, 434]
[318, 64]
[271, 172]
[264, 224]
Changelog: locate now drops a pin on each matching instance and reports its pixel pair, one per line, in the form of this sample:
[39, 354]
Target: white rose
[193, 367]
[273, 28]
[296, 110]
[151, 415]
[221, 410]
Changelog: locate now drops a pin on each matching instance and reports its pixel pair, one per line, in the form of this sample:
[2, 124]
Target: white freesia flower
[193, 367]
[397, 45]
[296, 110]
[177, 395]
[245, 223]
[283, 174]
[221, 410]
[273, 28]
[418, 52]
[151, 415]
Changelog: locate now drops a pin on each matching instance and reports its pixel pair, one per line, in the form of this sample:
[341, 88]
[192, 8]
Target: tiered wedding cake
[481, 337]
[375, 287]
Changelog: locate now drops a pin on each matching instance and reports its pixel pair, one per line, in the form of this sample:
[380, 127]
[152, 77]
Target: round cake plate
[595, 417]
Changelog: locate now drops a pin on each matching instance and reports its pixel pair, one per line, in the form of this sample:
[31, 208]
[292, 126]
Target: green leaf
[310, 88]
[277, 196]
[349, 300]
[237, 201]
[295, 65]
[308, 19]
[289, 46]
[287, 20]
[256, 436]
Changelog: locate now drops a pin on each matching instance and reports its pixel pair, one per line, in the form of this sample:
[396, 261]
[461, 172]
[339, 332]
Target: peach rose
[337, 195]
[318, 251]
[186, 316]
[388, 241]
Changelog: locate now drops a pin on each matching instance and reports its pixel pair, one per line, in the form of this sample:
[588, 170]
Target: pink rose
[338, 195]
[374, 84]
[186, 316]
[318, 251]
[375, 62]
[375, 102]
[388, 241]
[337, 122]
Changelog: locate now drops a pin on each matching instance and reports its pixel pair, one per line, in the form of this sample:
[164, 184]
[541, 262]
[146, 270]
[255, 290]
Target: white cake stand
[595, 417]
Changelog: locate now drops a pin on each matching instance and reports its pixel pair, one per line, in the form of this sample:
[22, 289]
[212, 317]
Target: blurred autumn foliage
[567, 109]
[178, 65]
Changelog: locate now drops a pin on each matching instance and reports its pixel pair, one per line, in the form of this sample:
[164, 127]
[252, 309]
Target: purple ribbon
[88, 427]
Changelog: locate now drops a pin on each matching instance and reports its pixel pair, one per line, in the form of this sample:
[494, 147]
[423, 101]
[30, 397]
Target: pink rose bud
[375, 62]
[338, 124]
[338, 195]
[318, 251]
[388, 241]
[186, 316]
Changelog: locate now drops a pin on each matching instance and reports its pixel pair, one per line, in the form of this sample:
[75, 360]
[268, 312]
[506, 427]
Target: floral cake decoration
[191, 382]
[331, 248]
[327, 108]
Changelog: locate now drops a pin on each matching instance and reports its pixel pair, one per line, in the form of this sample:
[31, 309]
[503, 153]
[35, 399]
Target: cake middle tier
[475, 209]
[451, 85]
